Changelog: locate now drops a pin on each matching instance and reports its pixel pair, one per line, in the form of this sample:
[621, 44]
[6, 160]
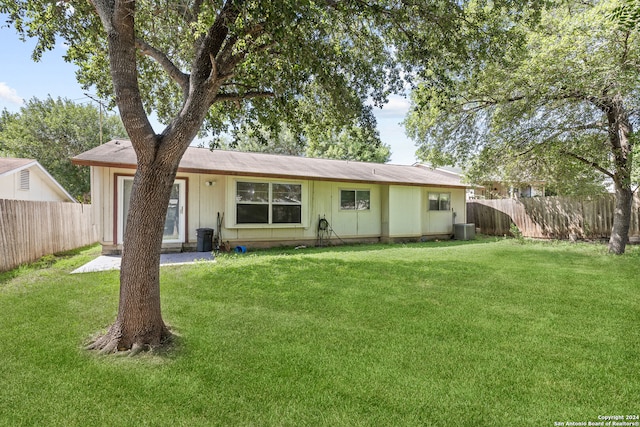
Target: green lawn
[482, 333]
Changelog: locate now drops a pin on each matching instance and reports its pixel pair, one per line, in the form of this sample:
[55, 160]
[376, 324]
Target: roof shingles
[120, 153]
[8, 164]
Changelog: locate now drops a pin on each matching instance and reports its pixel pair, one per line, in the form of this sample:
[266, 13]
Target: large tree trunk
[139, 324]
[621, 219]
[620, 131]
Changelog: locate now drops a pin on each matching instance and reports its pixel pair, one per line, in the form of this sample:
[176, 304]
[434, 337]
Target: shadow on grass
[74, 257]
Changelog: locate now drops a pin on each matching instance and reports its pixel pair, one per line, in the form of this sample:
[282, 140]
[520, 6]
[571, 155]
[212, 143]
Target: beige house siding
[404, 212]
[396, 212]
[355, 223]
[321, 199]
[102, 199]
[441, 222]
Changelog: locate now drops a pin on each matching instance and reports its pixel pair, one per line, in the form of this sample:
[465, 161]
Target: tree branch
[204, 81]
[210, 45]
[224, 97]
[588, 162]
[191, 15]
[118, 18]
[227, 59]
[182, 79]
[474, 105]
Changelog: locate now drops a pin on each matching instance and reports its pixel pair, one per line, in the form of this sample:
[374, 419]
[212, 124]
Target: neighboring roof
[120, 153]
[11, 165]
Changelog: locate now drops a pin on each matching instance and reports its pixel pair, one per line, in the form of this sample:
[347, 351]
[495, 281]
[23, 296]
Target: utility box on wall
[464, 231]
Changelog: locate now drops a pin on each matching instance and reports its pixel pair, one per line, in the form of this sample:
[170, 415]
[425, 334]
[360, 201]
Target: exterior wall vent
[24, 179]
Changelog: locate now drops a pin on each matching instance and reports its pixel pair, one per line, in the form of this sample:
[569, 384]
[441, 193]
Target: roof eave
[314, 178]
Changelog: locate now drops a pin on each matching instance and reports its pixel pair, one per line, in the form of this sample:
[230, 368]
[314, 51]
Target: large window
[439, 201]
[359, 200]
[268, 203]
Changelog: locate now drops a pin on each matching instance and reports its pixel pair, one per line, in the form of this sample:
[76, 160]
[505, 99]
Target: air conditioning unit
[464, 231]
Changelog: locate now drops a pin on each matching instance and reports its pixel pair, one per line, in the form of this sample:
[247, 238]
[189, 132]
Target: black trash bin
[205, 239]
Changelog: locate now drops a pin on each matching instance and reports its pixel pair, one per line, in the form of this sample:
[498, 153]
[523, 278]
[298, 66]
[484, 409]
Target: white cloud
[9, 94]
[62, 45]
[398, 106]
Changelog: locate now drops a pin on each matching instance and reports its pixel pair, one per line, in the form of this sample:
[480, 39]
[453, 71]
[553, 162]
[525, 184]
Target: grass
[481, 333]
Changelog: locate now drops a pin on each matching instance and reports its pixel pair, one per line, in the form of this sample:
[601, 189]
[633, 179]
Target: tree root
[105, 344]
[112, 342]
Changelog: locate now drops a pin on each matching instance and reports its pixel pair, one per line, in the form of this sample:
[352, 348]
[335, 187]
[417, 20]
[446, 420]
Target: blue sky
[22, 79]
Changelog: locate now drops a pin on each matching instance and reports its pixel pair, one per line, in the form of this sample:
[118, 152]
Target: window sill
[263, 226]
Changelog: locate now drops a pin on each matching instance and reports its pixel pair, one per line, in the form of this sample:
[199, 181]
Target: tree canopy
[354, 143]
[564, 89]
[54, 130]
[268, 54]
[626, 14]
[287, 61]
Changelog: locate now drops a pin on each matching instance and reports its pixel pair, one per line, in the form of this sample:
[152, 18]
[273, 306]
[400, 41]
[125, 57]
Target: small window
[24, 179]
[439, 201]
[359, 200]
[268, 203]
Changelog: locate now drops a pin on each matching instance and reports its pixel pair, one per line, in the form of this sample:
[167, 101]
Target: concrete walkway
[112, 262]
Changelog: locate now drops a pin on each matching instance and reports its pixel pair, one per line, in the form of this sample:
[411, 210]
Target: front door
[175, 221]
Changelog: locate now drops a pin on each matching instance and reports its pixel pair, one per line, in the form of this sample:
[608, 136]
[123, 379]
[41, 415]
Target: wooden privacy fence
[551, 217]
[30, 230]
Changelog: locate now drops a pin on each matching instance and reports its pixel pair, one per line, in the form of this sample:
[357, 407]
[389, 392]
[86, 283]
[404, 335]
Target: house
[503, 190]
[268, 200]
[26, 179]
[495, 189]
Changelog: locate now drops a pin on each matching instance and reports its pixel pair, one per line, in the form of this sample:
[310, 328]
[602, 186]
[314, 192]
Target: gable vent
[24, 179]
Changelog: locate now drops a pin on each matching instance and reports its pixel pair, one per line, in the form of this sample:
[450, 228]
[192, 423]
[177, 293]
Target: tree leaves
[543, 101]
[627, 15]
[52, 131]
[345, 53]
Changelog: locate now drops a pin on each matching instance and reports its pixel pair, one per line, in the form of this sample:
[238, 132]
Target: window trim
[355, 207]
[270, 204]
